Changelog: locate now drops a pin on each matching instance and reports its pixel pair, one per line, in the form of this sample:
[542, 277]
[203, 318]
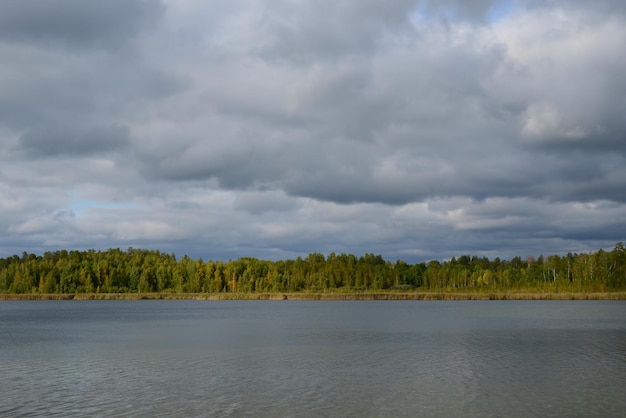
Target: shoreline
[322, 296]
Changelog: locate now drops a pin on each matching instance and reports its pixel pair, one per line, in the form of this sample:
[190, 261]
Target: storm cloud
[74, 22]
[411, 129]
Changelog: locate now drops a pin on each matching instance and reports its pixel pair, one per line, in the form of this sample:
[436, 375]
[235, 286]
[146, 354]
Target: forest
[146, 271]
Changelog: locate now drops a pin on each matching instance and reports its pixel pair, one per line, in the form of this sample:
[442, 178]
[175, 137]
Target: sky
[413, 129]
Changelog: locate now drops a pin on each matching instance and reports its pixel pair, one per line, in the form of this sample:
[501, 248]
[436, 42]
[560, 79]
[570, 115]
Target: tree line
[143, 271]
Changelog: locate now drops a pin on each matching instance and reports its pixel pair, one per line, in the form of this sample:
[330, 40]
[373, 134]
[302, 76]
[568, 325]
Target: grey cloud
[50, 142]
[235, 164]
[473, 10]
[45, 90]
[489, 223]
[263, 201]
[310, 31]
[44, 223]
[75, 22]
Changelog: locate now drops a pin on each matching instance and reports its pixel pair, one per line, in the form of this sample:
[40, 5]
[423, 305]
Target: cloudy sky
[414, 129]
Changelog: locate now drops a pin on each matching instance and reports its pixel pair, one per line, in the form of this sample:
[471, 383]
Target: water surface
[313, 358]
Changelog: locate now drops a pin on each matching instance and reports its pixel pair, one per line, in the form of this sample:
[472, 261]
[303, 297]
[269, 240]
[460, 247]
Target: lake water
[313, 358]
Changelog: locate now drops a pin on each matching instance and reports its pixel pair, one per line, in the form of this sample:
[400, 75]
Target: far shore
[322, 296]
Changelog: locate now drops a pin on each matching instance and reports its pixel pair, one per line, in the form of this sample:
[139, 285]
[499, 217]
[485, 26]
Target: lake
[313, 358]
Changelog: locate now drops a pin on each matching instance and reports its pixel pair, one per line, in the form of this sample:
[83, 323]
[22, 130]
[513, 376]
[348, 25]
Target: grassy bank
[322, 296]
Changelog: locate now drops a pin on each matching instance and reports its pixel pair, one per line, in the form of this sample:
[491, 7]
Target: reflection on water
[300, 359]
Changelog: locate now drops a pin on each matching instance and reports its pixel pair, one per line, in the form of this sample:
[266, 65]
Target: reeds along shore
[319, 296]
